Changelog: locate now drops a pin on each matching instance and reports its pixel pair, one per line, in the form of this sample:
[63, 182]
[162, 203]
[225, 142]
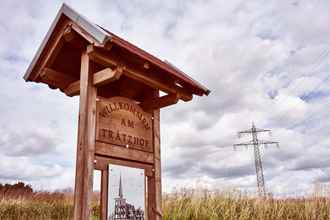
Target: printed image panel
[126, 198]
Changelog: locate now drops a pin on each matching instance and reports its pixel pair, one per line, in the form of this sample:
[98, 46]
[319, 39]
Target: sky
[264, 63]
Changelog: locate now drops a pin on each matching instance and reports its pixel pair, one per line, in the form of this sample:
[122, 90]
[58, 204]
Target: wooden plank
[103, 162]
[157, 83]
[55, 78]
[86, 143]
[100, 78]
[104, 193]
[161, 102]
[120, 152]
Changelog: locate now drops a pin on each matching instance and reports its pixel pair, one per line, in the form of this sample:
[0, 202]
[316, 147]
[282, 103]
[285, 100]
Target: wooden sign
[122, 122]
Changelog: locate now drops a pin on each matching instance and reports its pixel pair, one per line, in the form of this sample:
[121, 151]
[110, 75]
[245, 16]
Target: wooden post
[86, 142]
[154, 182]
[157, 164]
[104, 194]
[151, 198]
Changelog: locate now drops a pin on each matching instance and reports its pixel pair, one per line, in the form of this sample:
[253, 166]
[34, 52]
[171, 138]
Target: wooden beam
[68, 33]
[102, 163]
[55, 78]
[108, 150]
[84, 34]
[157, 103]
[100, 78]
[151, 79]
[106, 76]
[73, 37]
[54, 46]
[73, 89]
[86, 143]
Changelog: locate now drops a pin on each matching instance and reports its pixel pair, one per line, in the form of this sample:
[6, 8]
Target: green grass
[183, 206]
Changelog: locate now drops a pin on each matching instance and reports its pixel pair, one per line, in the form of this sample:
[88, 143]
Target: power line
[255, 142]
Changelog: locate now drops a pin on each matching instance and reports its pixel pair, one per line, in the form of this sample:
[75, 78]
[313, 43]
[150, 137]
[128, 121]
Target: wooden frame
[102, 164]
[92, 154]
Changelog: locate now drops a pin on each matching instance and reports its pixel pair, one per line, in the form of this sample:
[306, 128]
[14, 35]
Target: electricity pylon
[257, 157]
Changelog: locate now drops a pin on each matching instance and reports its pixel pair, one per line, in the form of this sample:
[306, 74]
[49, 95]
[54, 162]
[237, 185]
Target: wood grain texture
[100, 78]
[86, 143]
[157, 163]
[73, 89]
[53, 47]
[151, 80]
[102, 163]
[120, 121]
[55, 78]
[161, 102]
[119, 152]
[104, 193]
[151, 198]
[106, 76]
[154, 185]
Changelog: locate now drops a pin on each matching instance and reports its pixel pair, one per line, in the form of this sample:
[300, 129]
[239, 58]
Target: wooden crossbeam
[161, 102]
[55, 78]
[119, 152]
[151, 80]
[106, 76]
[101, 163]
[100, 78]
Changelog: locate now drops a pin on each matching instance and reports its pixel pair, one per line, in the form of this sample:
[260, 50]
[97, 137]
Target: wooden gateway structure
[119, 86]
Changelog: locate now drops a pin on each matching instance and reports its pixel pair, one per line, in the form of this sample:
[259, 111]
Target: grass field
[183, 205]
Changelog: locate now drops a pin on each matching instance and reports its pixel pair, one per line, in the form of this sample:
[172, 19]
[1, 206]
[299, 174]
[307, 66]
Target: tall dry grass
[183, 205]
[232, 206]
[19, 202]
